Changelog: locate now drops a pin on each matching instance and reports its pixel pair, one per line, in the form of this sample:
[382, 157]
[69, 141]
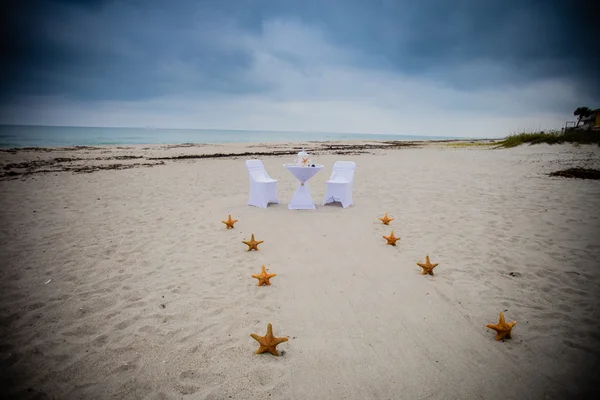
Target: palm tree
[582, 112]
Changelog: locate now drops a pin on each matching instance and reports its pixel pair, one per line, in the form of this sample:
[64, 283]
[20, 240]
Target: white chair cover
[339, 186]
[263, 189]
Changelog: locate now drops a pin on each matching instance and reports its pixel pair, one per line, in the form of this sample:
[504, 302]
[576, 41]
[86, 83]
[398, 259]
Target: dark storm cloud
[118, 50]
[534, 39]
[128, 50]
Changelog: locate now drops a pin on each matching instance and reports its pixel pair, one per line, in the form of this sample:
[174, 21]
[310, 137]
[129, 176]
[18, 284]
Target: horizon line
[235, 130]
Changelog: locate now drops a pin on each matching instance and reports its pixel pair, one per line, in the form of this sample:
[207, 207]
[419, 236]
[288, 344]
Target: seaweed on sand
[581, 173]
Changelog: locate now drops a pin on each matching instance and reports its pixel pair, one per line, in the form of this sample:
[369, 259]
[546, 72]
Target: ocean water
[12, 136]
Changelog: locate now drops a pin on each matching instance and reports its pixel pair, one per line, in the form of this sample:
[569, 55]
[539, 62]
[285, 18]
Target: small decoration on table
[229, 223]
[427, 266]
[305, 161]
[268, 343]
[252, 244]
[502, 328]
[391, 240]
[302, 156]
[386, 220]
[263, 277]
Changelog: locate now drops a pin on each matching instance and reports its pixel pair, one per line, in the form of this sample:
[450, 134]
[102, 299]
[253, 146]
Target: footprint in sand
[130, 366]
[100, 341]
[35, 306]
[261, 295]
[189, 382]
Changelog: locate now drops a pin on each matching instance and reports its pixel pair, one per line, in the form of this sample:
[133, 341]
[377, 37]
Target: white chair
[339, 186]
[263, 189]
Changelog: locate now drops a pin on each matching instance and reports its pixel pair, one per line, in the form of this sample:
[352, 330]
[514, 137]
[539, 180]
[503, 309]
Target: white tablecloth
[303, 173]
[302, 199]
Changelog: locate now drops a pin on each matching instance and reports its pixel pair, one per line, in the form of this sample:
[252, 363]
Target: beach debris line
[581, 173]
[55, 168]
[263, 277]
[391, 240]
[252, 244]
[268, 343]
[427, 266]
[385, 219]
[502, 328]
[225, 155]
[229, 222]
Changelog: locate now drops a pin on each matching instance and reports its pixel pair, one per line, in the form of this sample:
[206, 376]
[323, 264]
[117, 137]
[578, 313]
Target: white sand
[362, 322]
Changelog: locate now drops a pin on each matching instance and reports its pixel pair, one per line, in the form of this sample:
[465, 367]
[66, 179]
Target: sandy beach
[119, 280]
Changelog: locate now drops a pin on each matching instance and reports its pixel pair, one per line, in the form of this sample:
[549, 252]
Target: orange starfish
[263, 277]
[252, 244]
[502, 328]
[268, 342]
[427, 267]
[386, 220]
[304, 160]
[391, 239]
[229, 223]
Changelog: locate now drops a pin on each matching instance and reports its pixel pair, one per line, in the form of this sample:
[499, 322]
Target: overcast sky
[481, 68]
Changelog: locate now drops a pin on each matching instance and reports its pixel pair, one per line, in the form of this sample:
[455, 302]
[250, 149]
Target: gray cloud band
[134, 50]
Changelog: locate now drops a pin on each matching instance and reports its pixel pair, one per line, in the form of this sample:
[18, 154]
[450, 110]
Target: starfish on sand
[427, 266]
[252, 244]
[502, 328]
[386, 220]
[263, 277]
[268, 343]
[229, 223]
[391, 239]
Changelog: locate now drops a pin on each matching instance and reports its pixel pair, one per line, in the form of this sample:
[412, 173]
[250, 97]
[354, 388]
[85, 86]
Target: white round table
[302, 199]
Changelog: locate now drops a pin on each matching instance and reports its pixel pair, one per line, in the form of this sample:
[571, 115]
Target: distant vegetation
[575, 135]
[582, 112]
[553, 137]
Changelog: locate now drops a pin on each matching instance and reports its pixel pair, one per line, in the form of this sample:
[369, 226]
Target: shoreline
[55, 136]
[23, 162]
[191, 144]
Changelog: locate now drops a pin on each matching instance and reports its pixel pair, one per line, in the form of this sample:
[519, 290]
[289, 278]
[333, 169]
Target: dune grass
[553, 137]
